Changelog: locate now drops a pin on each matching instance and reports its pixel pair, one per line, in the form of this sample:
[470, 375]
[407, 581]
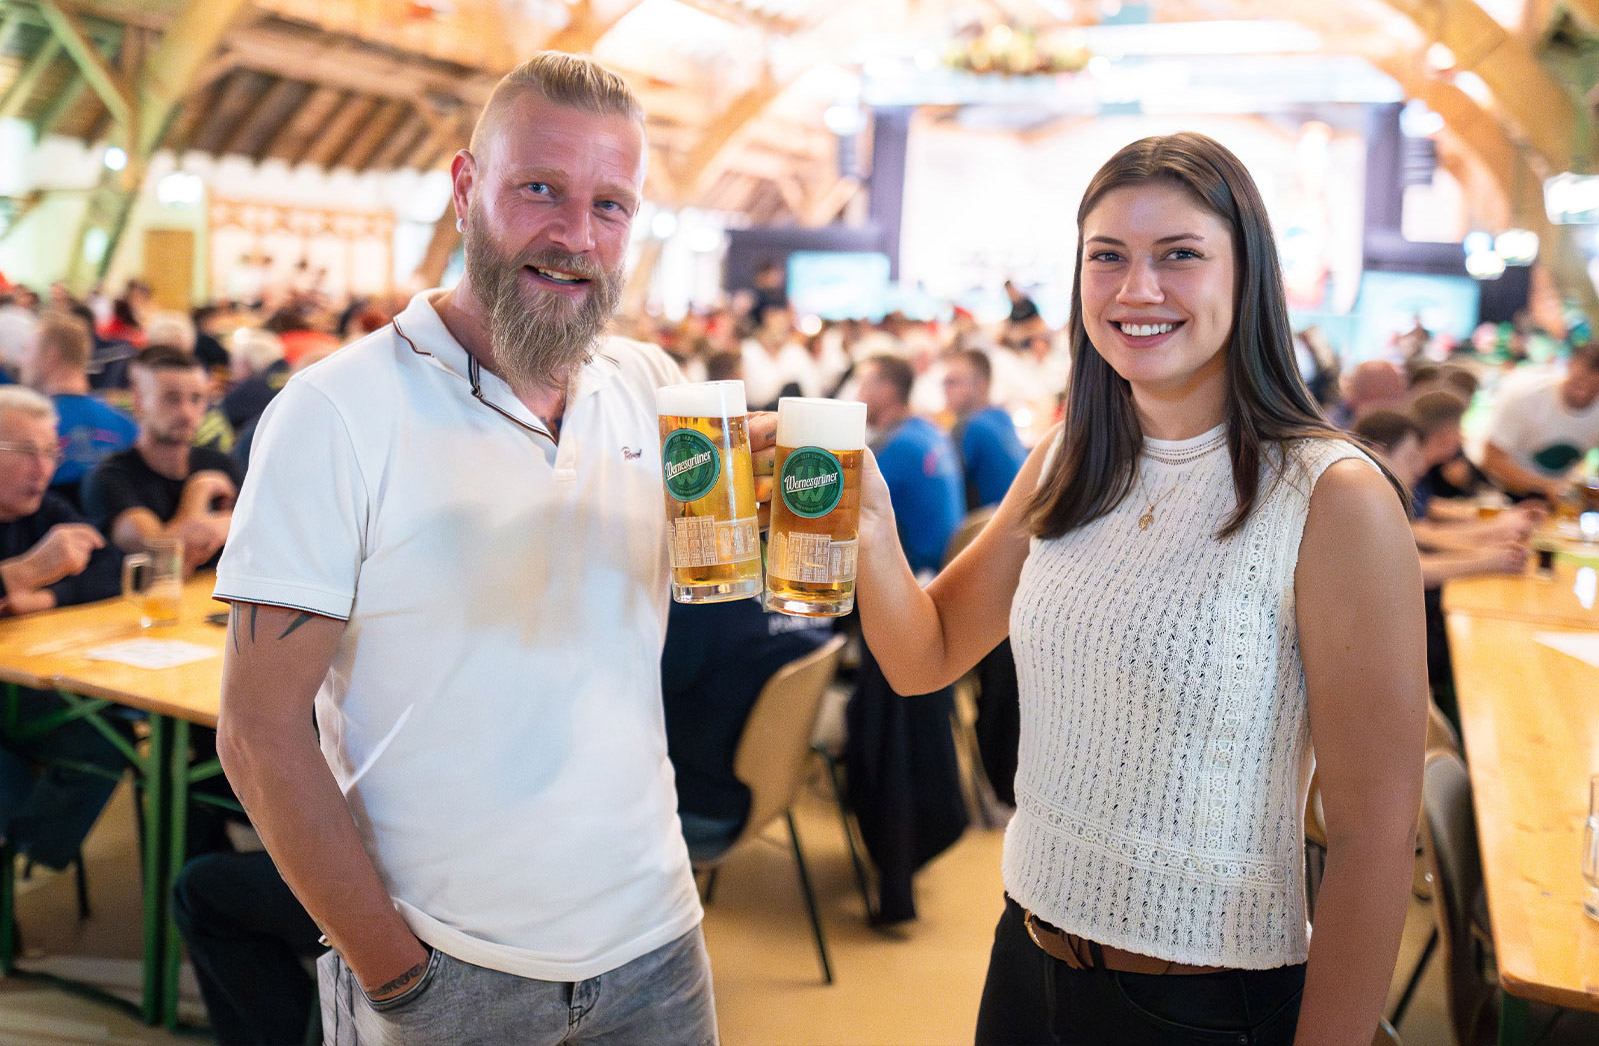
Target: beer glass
[152, 581]
[713, 531]
[816, 500]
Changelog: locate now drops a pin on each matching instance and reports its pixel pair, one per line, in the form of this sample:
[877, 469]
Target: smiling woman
[1200, 579]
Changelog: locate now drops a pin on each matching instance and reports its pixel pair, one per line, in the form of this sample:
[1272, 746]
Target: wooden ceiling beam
[270, 112]
[825, 203]
[448, 135]
[1544, 113]
[737, 14]
[399, 143]
[52, 114]
[723, 135]
[350, 67]
[334, 138]
[113, 89]
[384, 121]
[585, 27]
[227, 112]
[21, 89]
[297, 136]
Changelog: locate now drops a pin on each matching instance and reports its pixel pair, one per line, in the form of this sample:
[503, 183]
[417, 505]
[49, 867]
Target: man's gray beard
[538, 343]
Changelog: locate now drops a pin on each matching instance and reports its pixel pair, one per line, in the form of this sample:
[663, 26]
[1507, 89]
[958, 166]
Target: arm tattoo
[254, 610]
[233, 627]
[404, 980]
[299, 619]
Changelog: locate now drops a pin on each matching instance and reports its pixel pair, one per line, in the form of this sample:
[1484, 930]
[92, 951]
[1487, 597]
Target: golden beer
[816, 500]
[712, 528]
[152, 581]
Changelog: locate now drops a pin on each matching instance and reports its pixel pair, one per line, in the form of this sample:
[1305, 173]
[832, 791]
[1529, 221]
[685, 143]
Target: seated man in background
[984, 435]
[247, 937]
[1451, 476]
[162, 486]
[917, 461]
[49, 557]
[56, 363]
[1371, 385]
[1397, 437]
[717, 658]
[1542, 429]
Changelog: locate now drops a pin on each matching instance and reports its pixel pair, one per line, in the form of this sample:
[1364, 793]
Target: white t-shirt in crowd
[493, 712]
[1535, 427]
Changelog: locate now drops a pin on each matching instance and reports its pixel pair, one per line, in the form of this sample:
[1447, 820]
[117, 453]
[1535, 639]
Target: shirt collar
[420, 322]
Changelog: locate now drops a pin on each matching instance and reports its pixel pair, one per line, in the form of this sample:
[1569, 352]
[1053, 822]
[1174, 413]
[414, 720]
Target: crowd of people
[446, 562]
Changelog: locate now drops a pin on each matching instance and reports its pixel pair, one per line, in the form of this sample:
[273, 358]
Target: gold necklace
[1147, 520]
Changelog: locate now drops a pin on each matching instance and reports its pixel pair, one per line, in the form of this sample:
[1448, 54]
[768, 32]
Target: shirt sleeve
[298, 535]
[108, 492]
[101, 579]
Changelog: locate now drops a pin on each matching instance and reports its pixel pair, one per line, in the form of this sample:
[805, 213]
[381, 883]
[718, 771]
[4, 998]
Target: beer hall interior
[873, 201]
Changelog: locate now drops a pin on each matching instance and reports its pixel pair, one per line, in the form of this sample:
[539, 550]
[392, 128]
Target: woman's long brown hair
[1267, 401]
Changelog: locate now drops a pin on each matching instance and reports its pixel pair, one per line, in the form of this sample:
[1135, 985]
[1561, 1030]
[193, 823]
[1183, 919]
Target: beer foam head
[829, 424]
[705, 399]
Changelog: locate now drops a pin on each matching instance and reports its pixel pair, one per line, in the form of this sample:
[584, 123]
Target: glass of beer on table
[152, 581]
[816, 499]
[712, 527]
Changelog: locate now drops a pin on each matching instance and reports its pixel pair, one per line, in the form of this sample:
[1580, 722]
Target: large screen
[1390, 303]
[838, 285]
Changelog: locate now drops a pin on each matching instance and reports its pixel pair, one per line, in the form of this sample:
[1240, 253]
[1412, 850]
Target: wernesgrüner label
[812, 482]
[690, 464]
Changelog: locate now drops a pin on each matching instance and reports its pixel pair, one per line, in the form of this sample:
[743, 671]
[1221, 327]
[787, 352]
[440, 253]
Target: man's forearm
[295, 804]
[1505, 470]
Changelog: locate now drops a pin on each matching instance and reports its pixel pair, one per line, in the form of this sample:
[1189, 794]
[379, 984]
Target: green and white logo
[690, 463]
[812, 482]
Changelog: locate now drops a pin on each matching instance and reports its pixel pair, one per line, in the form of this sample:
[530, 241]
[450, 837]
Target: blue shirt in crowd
[991, 455]
[90, 431]
[924, 482]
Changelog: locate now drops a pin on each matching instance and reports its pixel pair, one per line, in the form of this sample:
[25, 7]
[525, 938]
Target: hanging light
[1485, 265]
[1517, 246]
[115, 159]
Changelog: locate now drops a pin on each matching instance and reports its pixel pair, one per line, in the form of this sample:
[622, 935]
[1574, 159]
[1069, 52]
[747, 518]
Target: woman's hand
[877, 513]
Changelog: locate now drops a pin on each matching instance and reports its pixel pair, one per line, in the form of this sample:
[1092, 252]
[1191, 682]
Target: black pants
[247, 935]
[47, 808]
[1030, 999]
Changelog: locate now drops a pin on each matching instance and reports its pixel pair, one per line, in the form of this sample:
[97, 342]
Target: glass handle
[132, 584]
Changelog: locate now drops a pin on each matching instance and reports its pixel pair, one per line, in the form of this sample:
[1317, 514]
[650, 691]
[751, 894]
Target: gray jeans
[661, 998]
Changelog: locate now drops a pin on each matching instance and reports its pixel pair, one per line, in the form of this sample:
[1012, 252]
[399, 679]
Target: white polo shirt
[493, 713]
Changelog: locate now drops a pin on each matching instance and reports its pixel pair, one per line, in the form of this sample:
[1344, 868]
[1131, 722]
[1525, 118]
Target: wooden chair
[1461, 912]
[773, 758]
[1441, 737]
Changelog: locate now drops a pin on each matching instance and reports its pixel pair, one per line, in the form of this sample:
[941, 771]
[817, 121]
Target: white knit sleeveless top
[1164, 734]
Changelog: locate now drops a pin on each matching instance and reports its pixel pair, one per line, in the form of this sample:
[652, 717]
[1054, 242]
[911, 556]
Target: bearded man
[451, 546]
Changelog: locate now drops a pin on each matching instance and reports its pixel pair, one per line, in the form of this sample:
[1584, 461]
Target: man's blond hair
[67, 339]
[575, 81]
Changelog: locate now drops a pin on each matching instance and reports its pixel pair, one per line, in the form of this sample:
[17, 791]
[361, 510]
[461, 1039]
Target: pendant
[1147, 520]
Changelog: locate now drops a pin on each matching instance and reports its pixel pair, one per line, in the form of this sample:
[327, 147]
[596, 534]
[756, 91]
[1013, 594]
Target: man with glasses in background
[49, 557]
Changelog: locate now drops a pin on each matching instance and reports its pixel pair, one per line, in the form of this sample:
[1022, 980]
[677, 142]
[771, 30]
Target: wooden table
[1569, 598]
[1530, 719]
[47, 651]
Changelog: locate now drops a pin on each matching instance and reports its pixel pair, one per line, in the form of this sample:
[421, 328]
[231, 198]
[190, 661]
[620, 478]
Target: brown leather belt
[1082, 954]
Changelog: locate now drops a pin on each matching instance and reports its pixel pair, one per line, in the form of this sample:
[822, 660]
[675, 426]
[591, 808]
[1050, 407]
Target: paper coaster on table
[1584, 646]
[152, 653]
